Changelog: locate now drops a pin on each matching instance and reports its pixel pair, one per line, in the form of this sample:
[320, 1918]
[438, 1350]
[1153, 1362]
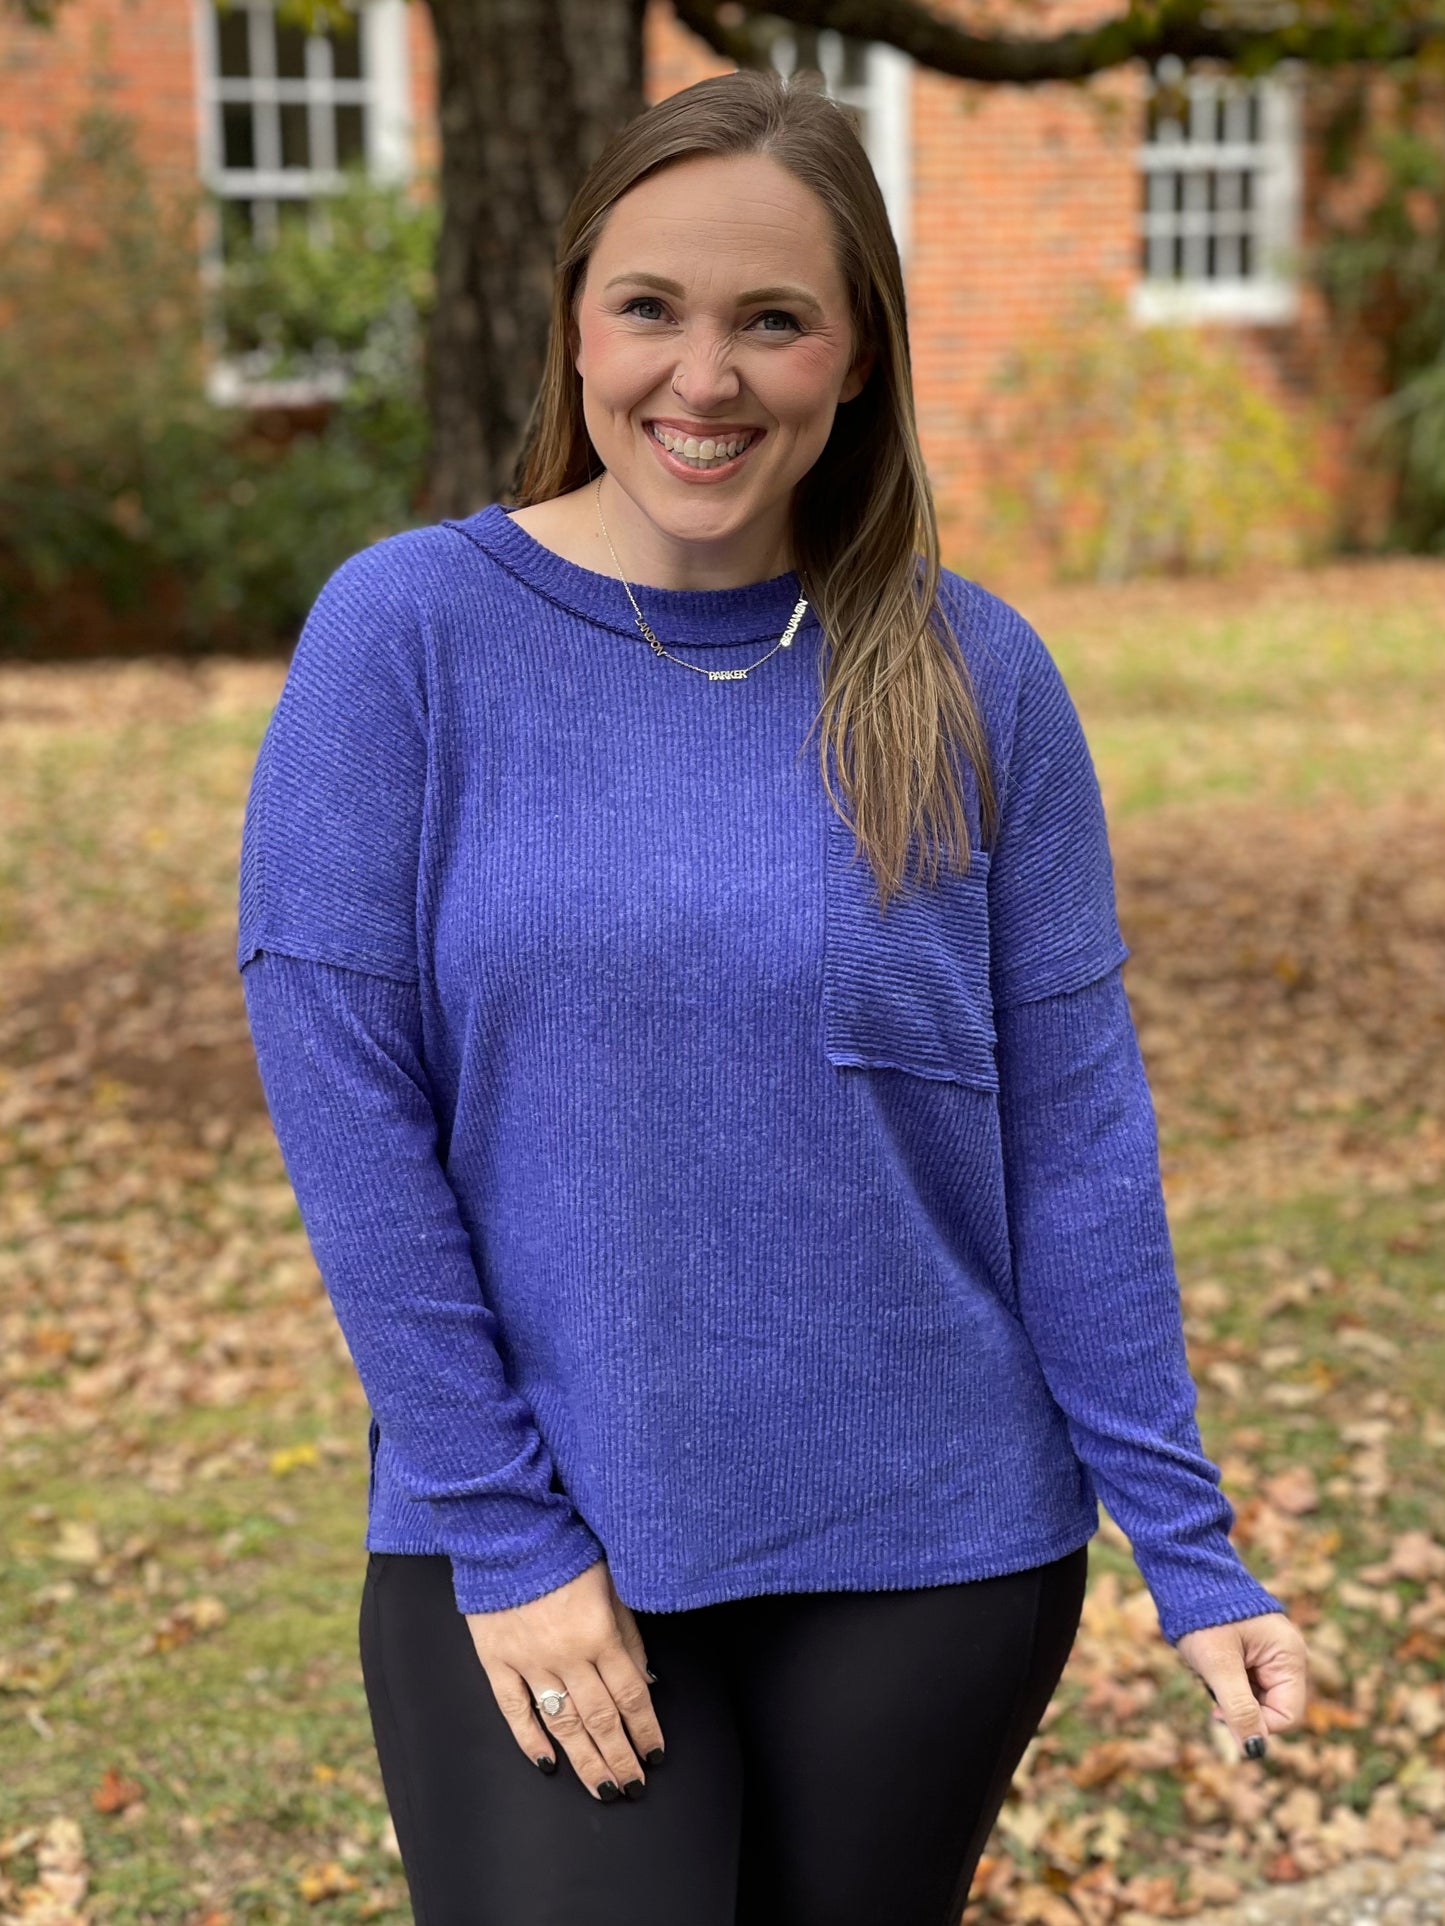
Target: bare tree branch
[1252, 35]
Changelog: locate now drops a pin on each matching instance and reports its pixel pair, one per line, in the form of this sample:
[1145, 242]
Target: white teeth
[705, 453]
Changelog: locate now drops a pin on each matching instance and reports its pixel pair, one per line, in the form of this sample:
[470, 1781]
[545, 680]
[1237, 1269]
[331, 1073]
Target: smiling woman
[757, 1268]
[711, 338]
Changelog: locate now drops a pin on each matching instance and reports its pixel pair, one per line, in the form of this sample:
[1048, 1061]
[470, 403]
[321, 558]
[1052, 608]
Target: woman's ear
[858, 374]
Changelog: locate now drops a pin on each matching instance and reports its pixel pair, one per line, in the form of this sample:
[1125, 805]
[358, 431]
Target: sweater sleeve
[1098, 1293]
[339, 1052]
[335, 814]
[1052, 917]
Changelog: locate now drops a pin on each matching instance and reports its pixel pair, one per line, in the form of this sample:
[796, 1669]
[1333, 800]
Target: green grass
[1297, 699]
[250, 1741]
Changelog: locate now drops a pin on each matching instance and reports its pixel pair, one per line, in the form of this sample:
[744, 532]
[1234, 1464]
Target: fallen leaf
[326, 1882]
[115, 1792]
[78, 1543]
[1293, 1490]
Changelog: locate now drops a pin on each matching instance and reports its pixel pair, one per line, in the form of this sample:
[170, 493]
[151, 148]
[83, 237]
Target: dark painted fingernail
[607, 1791]
[544, 1764]
[1254, 1747]
[652, 1678]
[634, 1788]
[656, 1757]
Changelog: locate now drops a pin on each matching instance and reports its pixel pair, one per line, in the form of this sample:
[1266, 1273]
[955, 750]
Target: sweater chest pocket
[908, 990]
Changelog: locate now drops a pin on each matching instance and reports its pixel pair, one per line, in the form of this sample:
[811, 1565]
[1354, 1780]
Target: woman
[755, 1280]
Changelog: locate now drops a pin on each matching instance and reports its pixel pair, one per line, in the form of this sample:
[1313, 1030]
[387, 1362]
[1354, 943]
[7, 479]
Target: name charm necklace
[785, 640]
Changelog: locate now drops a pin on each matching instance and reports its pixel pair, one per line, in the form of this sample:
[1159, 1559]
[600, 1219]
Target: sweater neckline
[754, 612]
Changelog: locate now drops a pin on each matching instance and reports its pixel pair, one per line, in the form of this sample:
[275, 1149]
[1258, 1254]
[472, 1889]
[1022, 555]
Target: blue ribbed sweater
[675, 1206]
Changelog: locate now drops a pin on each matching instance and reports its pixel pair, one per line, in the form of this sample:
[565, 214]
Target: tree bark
[528, 93]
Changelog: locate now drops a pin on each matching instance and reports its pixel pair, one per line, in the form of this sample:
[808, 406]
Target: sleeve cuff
[480, 1584]
[1198, 1607]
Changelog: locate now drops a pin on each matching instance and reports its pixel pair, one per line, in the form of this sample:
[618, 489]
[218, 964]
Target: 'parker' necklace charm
[784, 641]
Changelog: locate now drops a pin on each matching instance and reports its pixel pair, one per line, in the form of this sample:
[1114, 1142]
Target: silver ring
[550, 1701]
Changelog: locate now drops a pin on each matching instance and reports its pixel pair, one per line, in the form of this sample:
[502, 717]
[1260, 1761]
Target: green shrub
[1123, 450]
[118, 474]
[1383, 268]
[348, 298]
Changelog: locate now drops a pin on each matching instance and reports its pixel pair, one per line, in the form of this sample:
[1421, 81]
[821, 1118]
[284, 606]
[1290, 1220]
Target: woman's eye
[651, 301]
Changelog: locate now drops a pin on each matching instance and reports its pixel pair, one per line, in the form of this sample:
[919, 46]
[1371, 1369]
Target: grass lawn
[185, 1739]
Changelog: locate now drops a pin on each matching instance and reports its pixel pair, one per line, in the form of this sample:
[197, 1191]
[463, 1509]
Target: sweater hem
[726, 1589]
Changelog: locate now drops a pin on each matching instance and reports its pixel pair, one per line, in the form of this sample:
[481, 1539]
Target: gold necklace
[784, 641]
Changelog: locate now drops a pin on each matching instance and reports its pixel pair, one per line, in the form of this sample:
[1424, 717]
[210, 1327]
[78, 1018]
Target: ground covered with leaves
[183, 1734]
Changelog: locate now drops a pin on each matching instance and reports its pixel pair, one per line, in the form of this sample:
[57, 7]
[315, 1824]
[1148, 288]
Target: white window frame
[385, 91]
[1271, 293]
[884, 99]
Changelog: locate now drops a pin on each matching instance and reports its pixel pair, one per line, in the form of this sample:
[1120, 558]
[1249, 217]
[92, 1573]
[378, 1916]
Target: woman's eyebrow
[798, 296]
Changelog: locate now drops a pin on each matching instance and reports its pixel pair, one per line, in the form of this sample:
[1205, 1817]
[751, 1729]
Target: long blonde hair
[897, 699]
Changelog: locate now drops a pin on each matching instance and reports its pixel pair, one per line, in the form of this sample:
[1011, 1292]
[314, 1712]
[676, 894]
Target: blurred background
[273, 285]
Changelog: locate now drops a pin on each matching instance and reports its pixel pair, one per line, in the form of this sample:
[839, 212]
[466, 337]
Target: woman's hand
[581, 1639]
[1257, 1672]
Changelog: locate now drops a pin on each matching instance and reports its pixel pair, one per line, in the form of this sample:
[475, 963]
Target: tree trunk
[528, 93]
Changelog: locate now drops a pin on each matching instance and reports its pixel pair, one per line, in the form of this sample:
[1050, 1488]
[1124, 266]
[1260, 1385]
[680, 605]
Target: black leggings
[833, 1758]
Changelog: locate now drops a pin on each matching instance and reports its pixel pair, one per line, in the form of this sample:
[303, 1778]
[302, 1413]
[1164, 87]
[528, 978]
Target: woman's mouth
[702, 457]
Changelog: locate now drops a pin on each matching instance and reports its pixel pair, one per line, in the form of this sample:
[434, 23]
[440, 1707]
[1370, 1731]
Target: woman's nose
[705, 378]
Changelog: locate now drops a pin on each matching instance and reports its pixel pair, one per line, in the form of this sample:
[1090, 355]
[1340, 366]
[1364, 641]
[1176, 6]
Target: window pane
[1163, 123]
[238, 140]
[1214, 222]
[805, 40]
[295, 135]
[233, 40]
[290, 52]
[350, 134]
[1236, 119]
[346, 54]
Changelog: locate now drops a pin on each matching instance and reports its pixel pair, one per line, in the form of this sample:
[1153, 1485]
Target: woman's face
[713, 307]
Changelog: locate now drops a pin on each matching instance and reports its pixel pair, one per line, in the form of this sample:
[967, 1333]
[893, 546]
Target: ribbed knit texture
[675, 1205]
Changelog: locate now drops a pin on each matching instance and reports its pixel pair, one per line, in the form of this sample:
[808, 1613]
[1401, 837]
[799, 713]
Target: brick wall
[138, 57]
[1022, 197]
[135, 58]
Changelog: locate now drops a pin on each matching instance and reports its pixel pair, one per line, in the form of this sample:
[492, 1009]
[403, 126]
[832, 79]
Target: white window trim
[1270, 297]
[386, 57]
[886, 97]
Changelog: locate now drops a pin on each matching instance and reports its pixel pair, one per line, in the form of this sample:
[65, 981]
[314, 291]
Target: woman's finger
[627, 1630]
[514, 1700]
[573, 1733]
[624, 1679]
[1256, 1671]
[593, 1705]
